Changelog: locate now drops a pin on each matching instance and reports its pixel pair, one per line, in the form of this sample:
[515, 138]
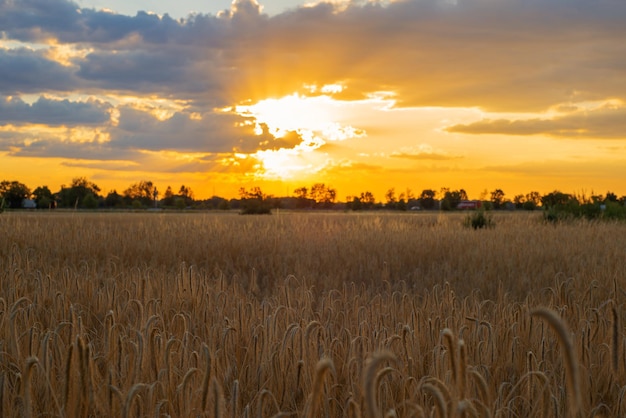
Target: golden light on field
[310, 314]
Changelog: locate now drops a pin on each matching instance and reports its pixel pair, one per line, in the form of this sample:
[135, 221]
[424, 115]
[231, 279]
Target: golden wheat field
[310, 315]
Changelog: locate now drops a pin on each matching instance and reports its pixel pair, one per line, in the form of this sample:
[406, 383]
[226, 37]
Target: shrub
[589, 210]
[478, 220]
[255, 207]
[554, 214]
[90, 201]
[614, 210]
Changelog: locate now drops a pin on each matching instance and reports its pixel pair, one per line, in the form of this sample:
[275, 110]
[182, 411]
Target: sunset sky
[520, 95]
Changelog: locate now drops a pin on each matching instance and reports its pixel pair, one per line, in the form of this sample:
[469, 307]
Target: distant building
[469, 204]
[29, 204]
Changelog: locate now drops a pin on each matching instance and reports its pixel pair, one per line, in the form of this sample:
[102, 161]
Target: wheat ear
[28, 404]
[573, 376]
[323, 366]
[370, 381]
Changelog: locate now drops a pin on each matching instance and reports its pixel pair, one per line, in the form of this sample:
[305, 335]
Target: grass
[309, 315]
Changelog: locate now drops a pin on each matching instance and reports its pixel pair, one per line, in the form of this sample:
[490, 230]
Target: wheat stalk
[369, 381]
[323, 367]
[573, 376]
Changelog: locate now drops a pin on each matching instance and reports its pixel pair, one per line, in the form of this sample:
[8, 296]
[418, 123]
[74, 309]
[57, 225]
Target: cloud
[607, 122]
[512, 55]
[267, 141]
[423, 152]
[53, 112]
[186, 132]
[134, 130]
[54, 147]
[24, 70]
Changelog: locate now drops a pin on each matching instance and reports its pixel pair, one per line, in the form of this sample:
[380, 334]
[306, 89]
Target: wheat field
[310, 315]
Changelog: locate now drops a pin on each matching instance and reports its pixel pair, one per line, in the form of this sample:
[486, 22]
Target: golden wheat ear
[323, 366]
[572, 372]
[370, 380]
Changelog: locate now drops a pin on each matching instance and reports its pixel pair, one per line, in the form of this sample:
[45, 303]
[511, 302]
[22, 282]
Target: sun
[291, 113]
[280, 164]
[317, 119]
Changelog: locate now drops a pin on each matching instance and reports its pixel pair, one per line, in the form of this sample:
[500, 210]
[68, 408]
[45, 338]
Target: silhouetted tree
[427, 199]
[302, 201]
[610, 197]
[529, 201]
[43, 197]
[534, 197]
[497, 198]
[142, 192]
[557, 198]
[354, 203]
[323, 195]
[114, 200]
[452, 198]
[301, 192]
[367, 200]
[74, 195]
[254, 202]
[390, 196]
[13, 193]
[186, 194]
[168, 197]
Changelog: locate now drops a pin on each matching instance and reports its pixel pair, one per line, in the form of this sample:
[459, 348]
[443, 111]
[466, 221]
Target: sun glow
[278, 164]
[317, 120]
[289, 113]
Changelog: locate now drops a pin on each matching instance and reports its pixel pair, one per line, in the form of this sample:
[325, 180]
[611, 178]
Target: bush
[614, 210]
[90, 201]
[479, 220]
[555, 214]
[589, 210]
[255, 207]
[137, 204]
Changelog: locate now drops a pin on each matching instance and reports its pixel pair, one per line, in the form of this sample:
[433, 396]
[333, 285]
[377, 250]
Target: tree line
[85, 194]
[82, 193]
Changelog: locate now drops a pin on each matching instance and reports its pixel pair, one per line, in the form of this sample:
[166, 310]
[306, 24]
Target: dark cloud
[26, 71]
[508, 55]
[51, 147]
[604, 123]
[288, 141]
[66, 22]
[141, 71]
[53, 112]
[182, 132]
